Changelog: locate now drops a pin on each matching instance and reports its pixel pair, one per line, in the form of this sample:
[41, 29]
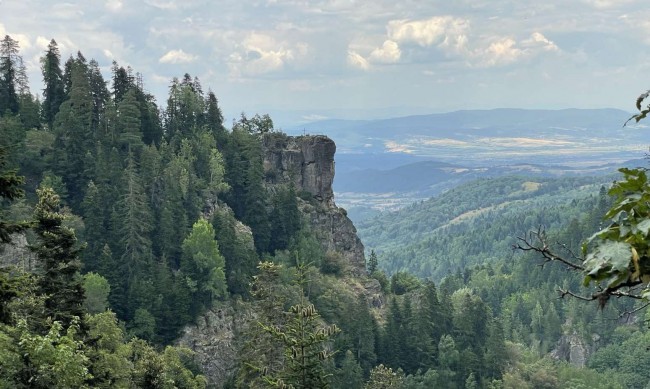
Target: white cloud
[538, 40]
[177, 56]
[505, 50]
[357, 61]
[501, 52]
[261, 53]
[445, 31]
[394, 147]
[603, 4]
[161, 4]
[114, 5]
[42, 43]
[389, 52]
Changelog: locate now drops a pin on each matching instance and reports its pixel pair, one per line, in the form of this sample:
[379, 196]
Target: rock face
[214, 339]
[17, 254]
[308, 163]
[573, 349]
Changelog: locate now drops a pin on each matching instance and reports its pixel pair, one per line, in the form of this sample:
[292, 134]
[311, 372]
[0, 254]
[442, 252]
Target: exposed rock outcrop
[573, 349]
[214, 339]
[17, 253]
[308, 163]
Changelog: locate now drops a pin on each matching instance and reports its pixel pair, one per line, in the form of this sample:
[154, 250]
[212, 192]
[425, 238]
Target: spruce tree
[74, 137]
[9, 62]
[58, 253]
[53, 94]
[128, 124]
[203, 266]
[10, 190]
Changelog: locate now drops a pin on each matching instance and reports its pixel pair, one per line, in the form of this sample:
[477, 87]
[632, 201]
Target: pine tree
[10, 62]
[58, 252]
[95, 228]
[122, 82]
[128, 124]
[305, 341]
[74, 137]
[203, 266]
[10, 190]
[53, 94]
[372, 262]
[100, 96]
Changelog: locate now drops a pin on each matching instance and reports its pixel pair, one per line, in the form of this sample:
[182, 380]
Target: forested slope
[477, 222]
[144, 221]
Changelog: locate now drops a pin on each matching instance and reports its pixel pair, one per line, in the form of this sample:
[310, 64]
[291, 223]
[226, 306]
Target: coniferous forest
[124, 221]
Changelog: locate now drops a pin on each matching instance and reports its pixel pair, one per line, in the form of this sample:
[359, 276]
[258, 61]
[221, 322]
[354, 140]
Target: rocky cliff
[308, 163]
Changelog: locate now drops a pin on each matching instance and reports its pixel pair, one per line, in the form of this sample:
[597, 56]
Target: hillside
[498, 136]
[475, 222]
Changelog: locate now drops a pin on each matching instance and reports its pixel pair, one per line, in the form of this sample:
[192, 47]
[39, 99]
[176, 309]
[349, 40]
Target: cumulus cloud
[114, 5]
[500, 52]
[177, 56]
[603, 4]
[445, 31]
[538, 40]
[506, 50]
[357, 61]
[262, 53]
[389, 52]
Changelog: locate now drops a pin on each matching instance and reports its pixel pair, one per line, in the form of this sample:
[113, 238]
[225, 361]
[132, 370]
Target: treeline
[477, 222]
[142, 179]
[173, 215]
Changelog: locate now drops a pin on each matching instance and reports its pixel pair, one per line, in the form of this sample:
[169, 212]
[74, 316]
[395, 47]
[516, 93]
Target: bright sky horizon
[303, 60]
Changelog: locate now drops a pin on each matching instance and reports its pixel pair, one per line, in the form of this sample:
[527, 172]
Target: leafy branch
[616, 259]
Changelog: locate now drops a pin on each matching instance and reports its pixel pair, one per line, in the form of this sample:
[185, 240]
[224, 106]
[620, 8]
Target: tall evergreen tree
[74, 137]
[203, 265]
[58, 252]
[10, 190]
[10, 62]
[100, 97]
[53, 94]
[128, 123]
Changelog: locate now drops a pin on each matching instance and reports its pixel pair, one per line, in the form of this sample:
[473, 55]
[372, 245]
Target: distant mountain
[386, 164]
[478, 221]
[499, 136]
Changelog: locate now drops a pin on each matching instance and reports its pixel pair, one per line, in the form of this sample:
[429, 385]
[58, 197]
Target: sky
[302, 60]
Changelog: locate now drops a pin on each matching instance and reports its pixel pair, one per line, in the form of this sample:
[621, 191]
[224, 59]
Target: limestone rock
[573, 349]
[214, 339]
[308, 162]
[17, 254]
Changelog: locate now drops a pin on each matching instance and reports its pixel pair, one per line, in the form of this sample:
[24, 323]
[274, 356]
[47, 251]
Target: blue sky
[302, 60]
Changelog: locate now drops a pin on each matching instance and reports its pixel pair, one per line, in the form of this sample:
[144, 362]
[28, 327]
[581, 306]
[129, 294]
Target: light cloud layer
[177, 57]
[344, 55]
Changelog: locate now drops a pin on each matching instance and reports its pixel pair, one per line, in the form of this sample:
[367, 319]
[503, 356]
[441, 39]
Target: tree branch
[536, 241]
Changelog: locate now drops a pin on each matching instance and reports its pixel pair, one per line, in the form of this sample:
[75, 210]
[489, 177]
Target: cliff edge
[307, 162]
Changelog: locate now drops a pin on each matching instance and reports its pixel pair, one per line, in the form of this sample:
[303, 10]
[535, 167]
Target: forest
[124, 221]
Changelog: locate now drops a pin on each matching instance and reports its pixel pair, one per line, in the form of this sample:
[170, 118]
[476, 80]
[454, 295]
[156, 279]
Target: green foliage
[96, 290]
[58, 253]
[372, 262]
[349, 375]
[477, 222]
[10, 190]
[619, 254]
[382, 377]
[304, 341]
[203, 265]
[403, 282]
[53, 360]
